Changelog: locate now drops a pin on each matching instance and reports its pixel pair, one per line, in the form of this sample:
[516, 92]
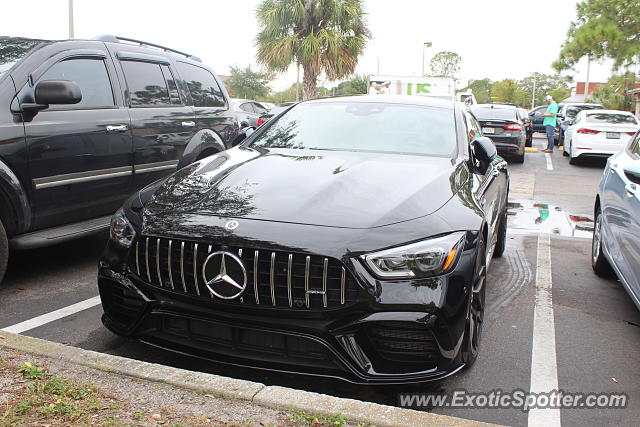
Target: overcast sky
[496, 38]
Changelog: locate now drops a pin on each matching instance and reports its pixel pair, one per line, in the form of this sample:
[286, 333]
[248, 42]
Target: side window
[92, 77]
[204, 89]
[259, 108]
[539, 111]
[467, 126]
[474, 128]
[174, 95]
[146, 84]
[248, 107]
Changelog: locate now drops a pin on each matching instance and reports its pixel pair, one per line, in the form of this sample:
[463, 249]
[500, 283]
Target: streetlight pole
[70, 19]
[424, 46]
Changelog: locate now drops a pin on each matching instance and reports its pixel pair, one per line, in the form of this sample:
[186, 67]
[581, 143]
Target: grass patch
[47, 398]
[302, 418]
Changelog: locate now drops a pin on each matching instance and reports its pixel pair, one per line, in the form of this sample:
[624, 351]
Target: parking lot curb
[231, 388]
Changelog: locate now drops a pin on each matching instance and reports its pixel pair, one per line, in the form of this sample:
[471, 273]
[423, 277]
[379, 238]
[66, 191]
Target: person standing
[549, 122]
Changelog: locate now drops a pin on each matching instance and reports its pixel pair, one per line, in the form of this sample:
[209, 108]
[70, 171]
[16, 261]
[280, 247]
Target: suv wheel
[501, 244]
[4, 251]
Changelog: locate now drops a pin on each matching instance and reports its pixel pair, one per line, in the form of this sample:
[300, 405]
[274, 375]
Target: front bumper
[390, 333]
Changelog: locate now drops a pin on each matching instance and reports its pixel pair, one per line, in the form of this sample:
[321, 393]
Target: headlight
[121, 230]
[423, 259]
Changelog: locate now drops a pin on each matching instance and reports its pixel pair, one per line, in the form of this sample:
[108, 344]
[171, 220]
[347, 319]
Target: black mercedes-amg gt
[347, 237]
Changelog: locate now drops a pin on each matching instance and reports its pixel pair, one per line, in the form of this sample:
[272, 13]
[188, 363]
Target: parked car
[84, 123]
[526, 122]
[599, 133]
[616, 235]
[306, 249]
[566, 114]
[268, 105]
[503, 124]
[247, 112]
[270, 114]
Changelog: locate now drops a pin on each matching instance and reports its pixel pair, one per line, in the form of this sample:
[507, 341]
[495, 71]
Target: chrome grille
[274, 278]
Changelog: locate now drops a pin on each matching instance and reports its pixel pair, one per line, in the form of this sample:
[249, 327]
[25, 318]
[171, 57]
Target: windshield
[364, 126]
[611, 118]
[488, 113]
[575, 109]
[13, 49]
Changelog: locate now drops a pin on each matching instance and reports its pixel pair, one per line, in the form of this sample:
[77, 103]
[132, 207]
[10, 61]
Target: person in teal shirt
[549, 122]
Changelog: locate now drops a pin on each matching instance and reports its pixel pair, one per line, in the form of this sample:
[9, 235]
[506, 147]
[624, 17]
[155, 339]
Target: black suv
[84, 123]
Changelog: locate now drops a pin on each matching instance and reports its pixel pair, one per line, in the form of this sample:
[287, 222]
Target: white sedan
[599, 133]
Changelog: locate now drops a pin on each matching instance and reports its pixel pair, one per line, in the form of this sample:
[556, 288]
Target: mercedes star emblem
[231, 225]
[224, 275]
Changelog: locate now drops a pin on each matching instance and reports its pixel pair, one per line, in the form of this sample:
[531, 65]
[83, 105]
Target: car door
[536, 118]
[621, 209]
[80, 154]
[161, 123]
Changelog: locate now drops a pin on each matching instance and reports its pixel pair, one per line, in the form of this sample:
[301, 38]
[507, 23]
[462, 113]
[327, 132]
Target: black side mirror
[57, 92]
[484, 151]
[49, 92]
[243, 134]
[633, 173]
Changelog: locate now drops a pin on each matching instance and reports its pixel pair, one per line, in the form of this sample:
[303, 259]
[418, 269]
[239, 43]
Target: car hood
[314, 187]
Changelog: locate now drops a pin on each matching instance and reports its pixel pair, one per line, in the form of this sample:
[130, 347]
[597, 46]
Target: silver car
[616, 236]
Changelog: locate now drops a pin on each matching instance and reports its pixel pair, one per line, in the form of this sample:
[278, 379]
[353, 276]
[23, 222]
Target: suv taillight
[588, 131]
[513, 126]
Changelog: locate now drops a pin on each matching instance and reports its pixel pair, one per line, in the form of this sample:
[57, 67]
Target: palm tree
[320, 35]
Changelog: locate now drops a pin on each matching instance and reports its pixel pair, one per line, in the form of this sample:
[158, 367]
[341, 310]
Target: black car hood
[325, 188]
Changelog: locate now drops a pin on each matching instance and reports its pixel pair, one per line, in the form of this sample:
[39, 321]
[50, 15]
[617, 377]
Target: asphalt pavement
[586, 340]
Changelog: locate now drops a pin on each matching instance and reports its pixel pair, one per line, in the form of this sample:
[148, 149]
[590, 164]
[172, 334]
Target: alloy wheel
[595, 242]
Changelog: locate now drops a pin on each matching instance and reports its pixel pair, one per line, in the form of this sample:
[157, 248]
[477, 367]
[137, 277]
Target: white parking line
[544, 368]
[27, 325]
[549, 163]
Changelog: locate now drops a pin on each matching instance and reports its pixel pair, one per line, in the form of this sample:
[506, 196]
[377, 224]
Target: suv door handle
[188, 124]
[117, 128]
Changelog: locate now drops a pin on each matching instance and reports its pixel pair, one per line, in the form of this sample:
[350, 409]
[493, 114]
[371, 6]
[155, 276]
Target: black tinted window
[204, 89]
[146, 84]
[91, 75]
[171, 84]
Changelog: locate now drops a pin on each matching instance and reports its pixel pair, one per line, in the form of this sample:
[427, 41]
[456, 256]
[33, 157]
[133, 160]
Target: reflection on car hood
[317, 187]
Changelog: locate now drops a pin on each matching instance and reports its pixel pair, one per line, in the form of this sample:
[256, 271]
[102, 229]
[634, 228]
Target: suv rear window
[204, 89]
[488, 113]
[147, 86]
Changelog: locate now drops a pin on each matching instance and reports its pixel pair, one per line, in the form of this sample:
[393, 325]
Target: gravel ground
[131, 401]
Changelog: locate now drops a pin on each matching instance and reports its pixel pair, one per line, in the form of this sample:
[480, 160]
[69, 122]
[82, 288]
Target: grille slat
[281, 280]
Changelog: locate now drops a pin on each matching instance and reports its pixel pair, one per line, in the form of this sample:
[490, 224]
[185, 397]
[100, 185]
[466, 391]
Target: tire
[501, 244]
[599, 262]
[519, 158]
[4, 251]
[565, 153]
[475, 309]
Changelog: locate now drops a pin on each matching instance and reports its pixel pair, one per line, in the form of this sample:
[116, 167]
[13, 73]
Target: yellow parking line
[530, 149]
